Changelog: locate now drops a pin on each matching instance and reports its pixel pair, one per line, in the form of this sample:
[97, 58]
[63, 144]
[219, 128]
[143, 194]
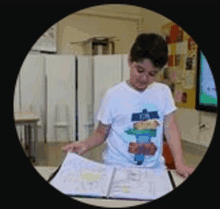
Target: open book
[78, 176]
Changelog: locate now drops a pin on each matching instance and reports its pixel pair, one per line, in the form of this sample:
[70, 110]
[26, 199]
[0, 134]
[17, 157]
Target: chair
[167, 154]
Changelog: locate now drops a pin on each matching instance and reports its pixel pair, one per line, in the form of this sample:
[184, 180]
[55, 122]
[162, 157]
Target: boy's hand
[183, 170]
[77, 147]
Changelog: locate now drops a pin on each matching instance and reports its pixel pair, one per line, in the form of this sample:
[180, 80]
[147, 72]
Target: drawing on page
[133, 183]
[127, 181]
[126, 189]
[134, 175]
[81, 176]
[90, 176]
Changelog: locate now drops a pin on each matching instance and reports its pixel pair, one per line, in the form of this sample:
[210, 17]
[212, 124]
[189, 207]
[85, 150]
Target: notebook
[80, 177]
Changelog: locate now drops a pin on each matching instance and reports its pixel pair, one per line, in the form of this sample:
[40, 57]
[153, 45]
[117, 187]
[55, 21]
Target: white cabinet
[16, 95]
[85, 97]
[107, 73]
[125, 68]
[60, 70]
[30, 90]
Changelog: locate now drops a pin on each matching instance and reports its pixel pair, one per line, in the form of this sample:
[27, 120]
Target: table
[45, 172]
[28, 120]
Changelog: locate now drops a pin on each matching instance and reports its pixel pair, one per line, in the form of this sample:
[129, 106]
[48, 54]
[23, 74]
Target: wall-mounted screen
[206, 89]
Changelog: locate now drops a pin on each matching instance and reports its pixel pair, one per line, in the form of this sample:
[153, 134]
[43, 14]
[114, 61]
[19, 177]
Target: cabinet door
[85, 97]
[17, 95]
[16, 104]
[32, 89]
[125, 68]
[60, 70]
[107, 73]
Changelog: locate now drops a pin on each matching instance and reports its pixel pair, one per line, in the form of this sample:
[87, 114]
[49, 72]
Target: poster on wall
[169, 49]
[170, 60]
[178, 95]
[189, 80]
[177, 60]
[189, 63]
[176, 76]
[48, 41]
[191, 44]
[180, 36]
[168, 39]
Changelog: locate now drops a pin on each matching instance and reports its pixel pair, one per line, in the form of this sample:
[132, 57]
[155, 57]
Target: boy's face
[142, 74]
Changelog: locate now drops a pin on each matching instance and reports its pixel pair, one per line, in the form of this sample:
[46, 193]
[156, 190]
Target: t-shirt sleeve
[105, 110]
[169, 103]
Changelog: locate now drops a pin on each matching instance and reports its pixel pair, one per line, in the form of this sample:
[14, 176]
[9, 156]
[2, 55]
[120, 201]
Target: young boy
[134, 113]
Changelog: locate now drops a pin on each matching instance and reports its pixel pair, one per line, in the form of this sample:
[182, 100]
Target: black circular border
[22, 185]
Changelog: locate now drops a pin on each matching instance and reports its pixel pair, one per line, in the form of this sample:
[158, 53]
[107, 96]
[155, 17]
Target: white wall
[190, 121]
[206, 134]
[82, 26]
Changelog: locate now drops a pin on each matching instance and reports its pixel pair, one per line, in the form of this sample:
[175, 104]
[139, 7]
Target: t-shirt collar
[140, 93]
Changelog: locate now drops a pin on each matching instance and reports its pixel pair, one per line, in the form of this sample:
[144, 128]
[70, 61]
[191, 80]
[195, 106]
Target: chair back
[167, 154]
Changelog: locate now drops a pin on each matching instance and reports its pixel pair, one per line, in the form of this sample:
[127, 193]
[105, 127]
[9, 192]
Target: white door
[32, 90]
[85, 97]
[107, 73]
[60, 70]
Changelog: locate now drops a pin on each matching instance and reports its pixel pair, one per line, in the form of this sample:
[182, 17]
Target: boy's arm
[173, 138]
[98, 137]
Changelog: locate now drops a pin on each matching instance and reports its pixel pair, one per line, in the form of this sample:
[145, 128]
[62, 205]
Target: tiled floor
[50, 154]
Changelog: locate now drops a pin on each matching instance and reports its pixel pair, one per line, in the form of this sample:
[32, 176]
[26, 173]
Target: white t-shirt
[121, 107]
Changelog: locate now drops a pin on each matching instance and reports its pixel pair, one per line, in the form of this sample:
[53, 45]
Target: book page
[145, 184]
[80, 176]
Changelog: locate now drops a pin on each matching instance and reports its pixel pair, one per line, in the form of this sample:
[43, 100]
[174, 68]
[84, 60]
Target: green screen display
[208, 93]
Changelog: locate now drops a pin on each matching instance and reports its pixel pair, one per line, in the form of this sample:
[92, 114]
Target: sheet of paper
[79, 176]
[140, 183]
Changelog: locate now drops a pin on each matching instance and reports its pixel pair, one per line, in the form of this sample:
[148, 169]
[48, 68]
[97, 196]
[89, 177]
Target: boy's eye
[140, 70]
[152, 74]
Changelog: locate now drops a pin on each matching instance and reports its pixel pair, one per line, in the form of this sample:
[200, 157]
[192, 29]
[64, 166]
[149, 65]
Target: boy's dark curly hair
[150, 46]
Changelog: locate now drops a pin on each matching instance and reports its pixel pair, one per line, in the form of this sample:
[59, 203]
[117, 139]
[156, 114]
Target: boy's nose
[145, 77]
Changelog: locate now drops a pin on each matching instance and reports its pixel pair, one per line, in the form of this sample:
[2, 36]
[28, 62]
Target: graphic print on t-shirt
[144, 128]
